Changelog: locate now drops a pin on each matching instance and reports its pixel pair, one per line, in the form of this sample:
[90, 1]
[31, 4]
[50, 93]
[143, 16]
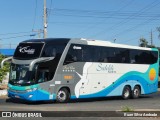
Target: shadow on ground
[20, 101]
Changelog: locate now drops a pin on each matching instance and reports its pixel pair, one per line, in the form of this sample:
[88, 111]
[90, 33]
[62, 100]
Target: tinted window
[47, 69]
[111, 55]
[121, 55]
[28, 50]
[87, 53]
[53, 50]
[74, 54]
[49, 52]
[143, 56]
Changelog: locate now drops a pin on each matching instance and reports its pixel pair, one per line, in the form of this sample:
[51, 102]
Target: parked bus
[62, 69]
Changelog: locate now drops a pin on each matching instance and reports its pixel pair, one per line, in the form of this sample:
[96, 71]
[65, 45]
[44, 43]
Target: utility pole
[10, 45]
[45, 20]
[0, 44]
[39, 31]
[151, 38]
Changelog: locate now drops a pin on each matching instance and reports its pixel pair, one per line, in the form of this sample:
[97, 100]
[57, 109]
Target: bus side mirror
[4, 60]
[38, 61]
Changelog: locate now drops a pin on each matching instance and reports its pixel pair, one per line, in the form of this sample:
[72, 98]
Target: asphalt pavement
[144, 103]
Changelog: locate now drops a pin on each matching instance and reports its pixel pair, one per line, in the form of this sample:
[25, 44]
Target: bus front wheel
[63, 95]
[126, 92]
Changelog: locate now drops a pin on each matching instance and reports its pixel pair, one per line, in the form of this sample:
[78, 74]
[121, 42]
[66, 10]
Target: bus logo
[109, 68]
[26, 50]
[77, 47]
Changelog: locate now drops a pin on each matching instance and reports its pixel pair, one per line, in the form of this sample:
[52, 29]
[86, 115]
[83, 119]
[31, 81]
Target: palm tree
[143, 42]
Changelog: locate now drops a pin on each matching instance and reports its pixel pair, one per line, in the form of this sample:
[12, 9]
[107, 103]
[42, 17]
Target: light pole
[45, 20]
[0, 44]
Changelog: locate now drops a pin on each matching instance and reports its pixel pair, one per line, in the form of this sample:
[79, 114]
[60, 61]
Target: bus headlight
[30, 96]
[31, 90]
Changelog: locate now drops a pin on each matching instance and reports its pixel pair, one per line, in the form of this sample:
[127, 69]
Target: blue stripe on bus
[147, 85]
[130, 78]
[146, 88]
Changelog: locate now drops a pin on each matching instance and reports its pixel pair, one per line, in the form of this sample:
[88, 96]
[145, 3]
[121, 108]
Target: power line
[126, 41]
[93, 26]
[16, 33]
[143, 10]
[30, 35]
[81, 23]
[113, 17]
[120, 15]
[87, 13]
[35, 15]
[50, 8]
[135, 27]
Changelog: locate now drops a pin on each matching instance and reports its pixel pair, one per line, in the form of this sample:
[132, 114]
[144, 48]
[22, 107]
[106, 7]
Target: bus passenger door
[43, 78]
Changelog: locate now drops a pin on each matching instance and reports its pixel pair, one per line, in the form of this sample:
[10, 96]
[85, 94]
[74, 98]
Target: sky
[120, 21]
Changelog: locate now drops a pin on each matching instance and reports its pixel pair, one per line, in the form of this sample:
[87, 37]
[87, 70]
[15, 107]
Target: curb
[3, 97]
[139, 110]
[3, 92]
[147, 110]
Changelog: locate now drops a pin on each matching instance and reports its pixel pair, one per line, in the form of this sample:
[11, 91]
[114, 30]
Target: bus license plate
[17, 96]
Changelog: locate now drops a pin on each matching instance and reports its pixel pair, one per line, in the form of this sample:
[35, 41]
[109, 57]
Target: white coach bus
[62, 69]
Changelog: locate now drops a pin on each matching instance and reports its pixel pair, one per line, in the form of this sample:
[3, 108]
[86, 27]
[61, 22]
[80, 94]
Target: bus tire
[126, 94]
[136, 92]
[63, 96]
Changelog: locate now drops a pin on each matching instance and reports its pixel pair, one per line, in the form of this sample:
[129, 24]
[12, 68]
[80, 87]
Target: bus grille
[18, 91]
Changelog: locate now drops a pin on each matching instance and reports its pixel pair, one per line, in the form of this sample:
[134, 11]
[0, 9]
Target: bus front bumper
[29, 96]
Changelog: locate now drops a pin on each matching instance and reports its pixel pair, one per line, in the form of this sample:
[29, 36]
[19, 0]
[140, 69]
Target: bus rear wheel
[136, 92]
[126, 93]
[63, 95]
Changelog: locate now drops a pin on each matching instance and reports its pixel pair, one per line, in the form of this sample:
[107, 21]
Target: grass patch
[127, 109]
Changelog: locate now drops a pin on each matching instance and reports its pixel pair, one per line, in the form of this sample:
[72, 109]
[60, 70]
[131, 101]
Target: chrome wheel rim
[61, 96]
[126, 94]
[136, 92]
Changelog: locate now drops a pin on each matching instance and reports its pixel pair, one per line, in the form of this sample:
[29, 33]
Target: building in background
[7, 52]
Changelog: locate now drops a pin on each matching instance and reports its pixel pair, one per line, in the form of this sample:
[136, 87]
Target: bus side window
[87, 53]
[74, 54]
[96, 54]
[42, 75]
[70, 59]
[50, 51]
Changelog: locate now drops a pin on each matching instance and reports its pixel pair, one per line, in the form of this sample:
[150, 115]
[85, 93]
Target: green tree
[5, 69]
[143, 42]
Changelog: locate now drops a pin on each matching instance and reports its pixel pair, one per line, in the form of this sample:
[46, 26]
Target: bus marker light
[68, 77]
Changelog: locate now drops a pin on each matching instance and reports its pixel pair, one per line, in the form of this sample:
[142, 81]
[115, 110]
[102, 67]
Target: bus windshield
[20, 75]
[28, 50]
